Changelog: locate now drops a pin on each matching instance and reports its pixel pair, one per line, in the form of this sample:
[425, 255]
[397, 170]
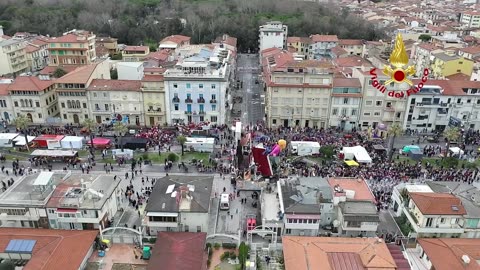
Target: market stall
[49, 141]
[68, 156]
[102, 143]
[6, 139]
[20, 140]
[134, 143]
[72, 142]
[357, 153]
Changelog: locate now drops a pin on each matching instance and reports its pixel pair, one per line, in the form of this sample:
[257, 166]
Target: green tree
[113, 74]
[242, 254]
[90, 125]
[393, 131]
[425, 37]
[21, 122]
[182, 140]
[451, 134]
[120, 128]
[117, 56]
[7, 265]
[59, 72]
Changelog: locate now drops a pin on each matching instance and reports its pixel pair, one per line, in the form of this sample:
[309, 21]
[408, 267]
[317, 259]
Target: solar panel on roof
[20, 246]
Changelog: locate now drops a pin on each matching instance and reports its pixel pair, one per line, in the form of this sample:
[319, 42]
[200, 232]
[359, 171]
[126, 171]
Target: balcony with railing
[154, 111]
[176, 100]
[188, 100]
[213, 101]
[188, 112]
[201, 100]
[201, 112]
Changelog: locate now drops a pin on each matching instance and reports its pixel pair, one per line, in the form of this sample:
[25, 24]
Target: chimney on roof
[465, 259]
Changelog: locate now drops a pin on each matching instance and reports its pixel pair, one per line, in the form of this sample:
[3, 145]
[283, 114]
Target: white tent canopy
[357, 152]
[69, 142]
[53, 153]
[456, 150]
[6, 139]
[20, 140]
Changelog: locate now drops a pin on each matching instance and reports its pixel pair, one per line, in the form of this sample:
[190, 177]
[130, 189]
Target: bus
[224, 201]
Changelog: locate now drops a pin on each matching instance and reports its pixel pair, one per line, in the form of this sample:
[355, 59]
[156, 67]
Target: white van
[224, 201]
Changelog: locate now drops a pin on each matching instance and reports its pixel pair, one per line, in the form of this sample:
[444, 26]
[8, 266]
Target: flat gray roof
[302, 195]
[84, 191]
[359, 211]
[23, 193]
[181, 193]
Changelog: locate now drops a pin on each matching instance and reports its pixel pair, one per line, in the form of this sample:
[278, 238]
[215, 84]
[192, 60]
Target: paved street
[248, 72]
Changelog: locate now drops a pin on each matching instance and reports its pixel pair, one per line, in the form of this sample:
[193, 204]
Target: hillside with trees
[146, 22]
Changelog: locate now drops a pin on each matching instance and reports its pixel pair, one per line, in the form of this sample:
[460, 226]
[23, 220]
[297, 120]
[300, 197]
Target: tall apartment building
[34, 97]
[441, 102]
[76, 47]
[346, 103]
[297, 92]
[196, 89]
[121, 99]
[153, 89]
[321, 46]
[377, 107]
[273, 35]
[470, 19]
[13, 59]
[37, 53]
[71, 90]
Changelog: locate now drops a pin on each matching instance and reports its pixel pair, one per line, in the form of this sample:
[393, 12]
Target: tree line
[146, 22]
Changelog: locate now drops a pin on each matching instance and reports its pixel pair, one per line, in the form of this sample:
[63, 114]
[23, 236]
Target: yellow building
[445, 65]
[299, 44]
[153, 91]
[135, 53]
[109, 43]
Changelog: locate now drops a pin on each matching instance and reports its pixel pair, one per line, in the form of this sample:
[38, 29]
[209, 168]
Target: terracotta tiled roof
[428, 46]
[115, 85]
[48, 70]
[350, 42]
[79, 75]
[347, 82]
[68, 38]
[362, 192]
[293, 39]
[176, 39]
[29, 83]
[54, 249]
[459, 77]
[471, 50]
[324, 38]
[452, 87]
[226, 39]
[153, 78]
[136, 48]
[334, 253]
[30, 48]
[180, 251]
[338, 51]
[39, 41]
[446, 253]
[352, 61]
[161, 55]
[437, 203]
